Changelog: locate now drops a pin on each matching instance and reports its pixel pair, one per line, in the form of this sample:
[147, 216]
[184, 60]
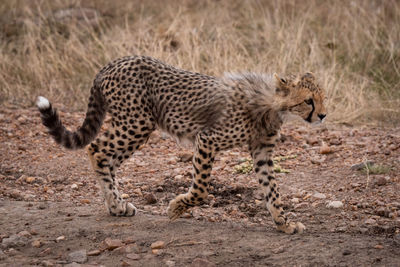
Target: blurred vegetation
[55, 48]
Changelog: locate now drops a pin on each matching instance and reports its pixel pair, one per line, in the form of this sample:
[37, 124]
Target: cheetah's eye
[309, 101]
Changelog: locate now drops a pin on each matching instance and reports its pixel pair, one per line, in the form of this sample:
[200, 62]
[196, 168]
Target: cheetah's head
[302, 96]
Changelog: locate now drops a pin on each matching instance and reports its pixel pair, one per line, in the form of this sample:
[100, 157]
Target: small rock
[125, 196]
[85, 201]
[78, 256]
[335, 204]
[279, 250]
[138, 192]
[42, 206]
[170, 263]
[259, 202]
[156, 251]
[74, 186]
[185, 157]
[200, 262]
[133, 256]
[47, 263]
[381, 181]
[312, 140]
[160, 189]
[346, 252]
[30, 179]
[112, 243]
[158, 245]
[381, 211]
[13, 252]
[2, 255]
[396, 239]
[24, 233]
[318, 195]
[14, 241]
[295, 200]
[130, 248]
[178, 177]
[378, 246]
[45, 252]
[325, 149]
[150, 198]
[94, 252]
[302, 205]
[36, 243]
[60, 238]
[370, 221]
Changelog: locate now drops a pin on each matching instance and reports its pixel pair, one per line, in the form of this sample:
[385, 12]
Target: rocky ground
[342, 182]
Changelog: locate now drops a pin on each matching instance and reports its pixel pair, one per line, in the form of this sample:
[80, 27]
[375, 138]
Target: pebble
[94, 252]
[279, 250]
[30, 179]
[125, 196]
[112, 243]
[380, 181]
[36, 243]
[335, 204]
[156, 251]
[378, 246]
[302, 205]
[14, 241]
[138, 192]
[318, 195]
[295, 200]
[178, 177]
[24, 233]
[60, 238]
[346, 252]
[325, 149]
[185, 157]
[78, 256]
[133, 256]
[47, 263]
[74, 186]
[382, 211]
[170, 263]
[150, 198]
[85, 201]
[370, 221]
[2, 255]
[200, 262]
[158, 245]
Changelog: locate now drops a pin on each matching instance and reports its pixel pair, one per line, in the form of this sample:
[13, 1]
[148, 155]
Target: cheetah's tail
[85, 133]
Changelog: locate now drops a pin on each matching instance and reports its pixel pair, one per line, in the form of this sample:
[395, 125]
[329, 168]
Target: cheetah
[141, 93]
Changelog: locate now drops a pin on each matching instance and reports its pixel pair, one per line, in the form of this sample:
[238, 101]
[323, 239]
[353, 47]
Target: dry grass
[353, 46]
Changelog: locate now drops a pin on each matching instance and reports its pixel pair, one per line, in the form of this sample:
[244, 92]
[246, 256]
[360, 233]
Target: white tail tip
[42, 102]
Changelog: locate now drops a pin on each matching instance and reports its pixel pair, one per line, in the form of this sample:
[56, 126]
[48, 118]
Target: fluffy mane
[263, 103]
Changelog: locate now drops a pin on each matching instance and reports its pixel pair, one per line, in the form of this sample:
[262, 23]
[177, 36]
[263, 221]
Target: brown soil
[49, 201]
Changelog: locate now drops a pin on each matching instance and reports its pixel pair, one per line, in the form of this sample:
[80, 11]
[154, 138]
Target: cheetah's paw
[292, 228]
[176, 208]
[127, 209]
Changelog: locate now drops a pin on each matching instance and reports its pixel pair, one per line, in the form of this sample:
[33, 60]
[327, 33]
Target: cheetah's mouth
[312, 111]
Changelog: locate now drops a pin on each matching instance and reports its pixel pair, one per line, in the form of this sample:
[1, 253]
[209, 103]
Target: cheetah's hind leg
[106, 154]
[202, 164]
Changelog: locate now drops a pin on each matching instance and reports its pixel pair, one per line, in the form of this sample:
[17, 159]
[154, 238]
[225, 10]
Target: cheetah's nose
[321, 116]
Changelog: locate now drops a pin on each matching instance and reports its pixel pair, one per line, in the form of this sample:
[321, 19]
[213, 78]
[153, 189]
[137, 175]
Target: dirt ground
[52, 213]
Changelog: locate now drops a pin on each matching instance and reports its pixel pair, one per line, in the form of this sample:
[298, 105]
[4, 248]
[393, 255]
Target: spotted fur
[141, 93]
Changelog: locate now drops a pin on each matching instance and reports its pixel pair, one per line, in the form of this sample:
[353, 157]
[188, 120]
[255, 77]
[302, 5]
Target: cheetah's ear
[281, 89]
[279, 80]
[308, 76]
